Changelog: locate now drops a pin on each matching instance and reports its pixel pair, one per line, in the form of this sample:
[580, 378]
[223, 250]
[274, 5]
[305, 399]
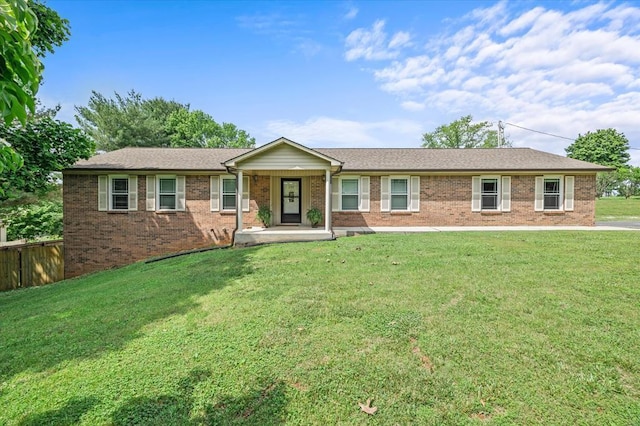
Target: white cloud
[328, 132]
[551, 70]
[412, 106]
[352, 13]
[371, 44]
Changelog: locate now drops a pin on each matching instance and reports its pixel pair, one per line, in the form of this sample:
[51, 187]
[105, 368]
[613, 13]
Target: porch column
[239, 201]
[327, 200]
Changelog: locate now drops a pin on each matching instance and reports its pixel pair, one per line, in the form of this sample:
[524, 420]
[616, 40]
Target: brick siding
[96, 240]
[446, 201]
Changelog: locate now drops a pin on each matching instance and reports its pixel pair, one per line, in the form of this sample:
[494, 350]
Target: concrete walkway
[347, 231]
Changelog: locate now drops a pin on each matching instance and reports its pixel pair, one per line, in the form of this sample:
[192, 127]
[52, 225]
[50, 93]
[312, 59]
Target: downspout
[234, 172]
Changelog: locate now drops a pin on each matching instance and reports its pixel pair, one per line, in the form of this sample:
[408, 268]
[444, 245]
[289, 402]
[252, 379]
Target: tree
[20, 68]
[462, 133]
[47, 146]
[606, 147]
[27, 32]
[198, 129]
[126, 120]
[628, 181]
[133, 121]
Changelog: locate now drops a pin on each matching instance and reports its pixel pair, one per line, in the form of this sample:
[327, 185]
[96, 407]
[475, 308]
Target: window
[228, 194]
[399, 194]
[119, 193]
[552, 194]
[166, 193]
[349, 193]
[223, 193]
[489, 194]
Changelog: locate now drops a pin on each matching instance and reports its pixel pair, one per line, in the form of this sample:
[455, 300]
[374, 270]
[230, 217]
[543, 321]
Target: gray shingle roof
[355, 159]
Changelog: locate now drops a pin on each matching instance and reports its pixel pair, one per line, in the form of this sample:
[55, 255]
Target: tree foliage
[52, 30]
[20, 68]
[132, 120]
[47, 146]
[198, 129]
[27, 32]
[625, 181]
[462, 133]
[33, 221]
[606, 147]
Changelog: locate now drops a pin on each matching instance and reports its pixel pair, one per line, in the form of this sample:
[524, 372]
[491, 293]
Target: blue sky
[362, 74]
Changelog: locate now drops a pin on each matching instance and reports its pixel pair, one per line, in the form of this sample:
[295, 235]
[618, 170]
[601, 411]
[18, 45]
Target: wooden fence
[31, 264]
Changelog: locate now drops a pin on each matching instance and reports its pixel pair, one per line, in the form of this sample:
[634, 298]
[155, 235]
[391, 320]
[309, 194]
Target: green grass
[618, 209]
[438, 328]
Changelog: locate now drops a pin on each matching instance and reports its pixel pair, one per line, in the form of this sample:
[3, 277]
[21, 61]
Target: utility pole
[500, 133]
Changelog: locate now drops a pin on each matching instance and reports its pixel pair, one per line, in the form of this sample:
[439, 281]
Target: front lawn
[610, 209]
[453, 328]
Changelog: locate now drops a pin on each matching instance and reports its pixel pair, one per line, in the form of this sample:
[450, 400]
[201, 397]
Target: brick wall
[97, 240]
[446, 201]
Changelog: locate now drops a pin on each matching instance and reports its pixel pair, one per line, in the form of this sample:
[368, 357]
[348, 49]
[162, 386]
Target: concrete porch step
[280, 234]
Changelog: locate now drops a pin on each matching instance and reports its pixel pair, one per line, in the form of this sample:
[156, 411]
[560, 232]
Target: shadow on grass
[68, 414]
[85, 317]
[262, 406]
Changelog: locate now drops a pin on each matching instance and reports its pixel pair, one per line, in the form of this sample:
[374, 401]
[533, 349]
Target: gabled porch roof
[269, 156]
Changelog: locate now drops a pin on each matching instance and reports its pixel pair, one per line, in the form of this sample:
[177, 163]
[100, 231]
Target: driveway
[626, 224]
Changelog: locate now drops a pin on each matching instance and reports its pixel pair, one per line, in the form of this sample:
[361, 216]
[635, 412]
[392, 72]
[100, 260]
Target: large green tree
[606, 147]
[463, 133]
[132, 120]
[47, 146]
[198, 129]
[126, 120]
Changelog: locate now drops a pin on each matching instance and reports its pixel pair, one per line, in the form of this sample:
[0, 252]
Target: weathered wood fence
[31, 264]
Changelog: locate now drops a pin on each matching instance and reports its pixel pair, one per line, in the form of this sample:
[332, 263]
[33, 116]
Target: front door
[291, 201]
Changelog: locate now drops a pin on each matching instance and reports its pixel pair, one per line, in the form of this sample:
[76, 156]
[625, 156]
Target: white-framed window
[350, 193]
[117, 193]
[551, 190]
[554, 193]
[400, 193]
[228, 188]
[223, 193]
[166, 193]
[489, 189]
[491, 193]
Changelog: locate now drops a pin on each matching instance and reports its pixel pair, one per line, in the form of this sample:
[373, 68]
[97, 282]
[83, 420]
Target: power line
[551, 134]
[538, 131]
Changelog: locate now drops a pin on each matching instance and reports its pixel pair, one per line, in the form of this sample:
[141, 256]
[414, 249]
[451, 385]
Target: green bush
[34, 222]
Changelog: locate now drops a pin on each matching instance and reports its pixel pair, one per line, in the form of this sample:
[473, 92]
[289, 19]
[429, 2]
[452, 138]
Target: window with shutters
[350, 193]
[491, 193]
[223, 193]
[167, 193]
[118, 193]
[400, 193]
